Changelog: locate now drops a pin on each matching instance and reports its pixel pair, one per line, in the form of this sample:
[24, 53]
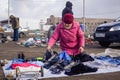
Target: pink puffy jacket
[70, 40]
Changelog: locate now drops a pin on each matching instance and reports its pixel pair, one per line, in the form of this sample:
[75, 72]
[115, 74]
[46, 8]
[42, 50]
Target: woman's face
[67, 26]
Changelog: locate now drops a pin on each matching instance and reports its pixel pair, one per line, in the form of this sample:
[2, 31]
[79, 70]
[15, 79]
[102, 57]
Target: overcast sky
[32, 11]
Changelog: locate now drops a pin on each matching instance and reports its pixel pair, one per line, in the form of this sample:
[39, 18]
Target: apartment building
[90, 23]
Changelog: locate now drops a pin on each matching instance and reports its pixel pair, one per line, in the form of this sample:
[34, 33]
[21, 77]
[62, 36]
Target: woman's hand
[49, 48]
[81, 50]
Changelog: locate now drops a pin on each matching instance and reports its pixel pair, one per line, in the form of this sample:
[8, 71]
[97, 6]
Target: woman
[72, 42]
[70, 35]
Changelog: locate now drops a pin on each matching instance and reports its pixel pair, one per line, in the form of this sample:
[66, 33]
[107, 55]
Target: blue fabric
[28, 44]
[17, 60]
[9, 67]
[64, 56]
[109, 59]
[118, 58]
[39, 63]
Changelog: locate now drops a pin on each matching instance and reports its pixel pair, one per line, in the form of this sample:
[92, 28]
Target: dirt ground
[10, 50]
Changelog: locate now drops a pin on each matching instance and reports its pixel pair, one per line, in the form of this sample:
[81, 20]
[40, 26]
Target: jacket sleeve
[81, 37]
[54, 37]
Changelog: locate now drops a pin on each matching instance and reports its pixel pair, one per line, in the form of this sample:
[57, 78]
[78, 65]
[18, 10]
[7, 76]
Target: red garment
[25, 64]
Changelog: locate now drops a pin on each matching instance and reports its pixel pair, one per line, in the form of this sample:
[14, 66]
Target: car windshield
[118, 19]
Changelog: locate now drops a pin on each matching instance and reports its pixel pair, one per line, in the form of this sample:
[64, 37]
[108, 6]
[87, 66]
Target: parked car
[8, 31]
[107, 33]
[23, 32]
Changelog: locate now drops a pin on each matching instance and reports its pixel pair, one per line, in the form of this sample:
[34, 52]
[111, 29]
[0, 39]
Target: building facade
[90, 23]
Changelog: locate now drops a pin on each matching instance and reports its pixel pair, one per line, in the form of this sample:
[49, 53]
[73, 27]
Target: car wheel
[104, 44]
[21, 35]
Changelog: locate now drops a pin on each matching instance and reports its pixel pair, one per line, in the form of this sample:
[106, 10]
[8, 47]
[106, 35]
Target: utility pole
[84, 15]
[8, 12]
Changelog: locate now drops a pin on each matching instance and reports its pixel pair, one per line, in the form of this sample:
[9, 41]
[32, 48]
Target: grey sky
[42, 9]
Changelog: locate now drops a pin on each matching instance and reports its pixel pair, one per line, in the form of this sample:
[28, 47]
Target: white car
[8, 31]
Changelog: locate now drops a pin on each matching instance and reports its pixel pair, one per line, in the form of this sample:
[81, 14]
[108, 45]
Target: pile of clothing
[34, 42]
[57, 63]
[23, 61]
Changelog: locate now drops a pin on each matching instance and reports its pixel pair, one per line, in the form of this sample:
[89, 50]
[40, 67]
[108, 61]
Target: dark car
[107, 33]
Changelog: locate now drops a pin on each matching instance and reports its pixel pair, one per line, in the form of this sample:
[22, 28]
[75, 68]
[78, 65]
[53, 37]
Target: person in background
[70, 35]
[82, 27]
[15, 26]
[50, 31]
[67, 9]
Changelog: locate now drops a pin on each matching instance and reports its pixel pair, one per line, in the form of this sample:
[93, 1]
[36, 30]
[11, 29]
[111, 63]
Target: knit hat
[68, 4]
[68, 18]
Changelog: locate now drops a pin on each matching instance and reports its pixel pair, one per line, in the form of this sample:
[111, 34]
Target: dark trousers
[15, 35]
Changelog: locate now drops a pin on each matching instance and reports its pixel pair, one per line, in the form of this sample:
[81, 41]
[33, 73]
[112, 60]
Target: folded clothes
[109, 59]
[79, 69]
